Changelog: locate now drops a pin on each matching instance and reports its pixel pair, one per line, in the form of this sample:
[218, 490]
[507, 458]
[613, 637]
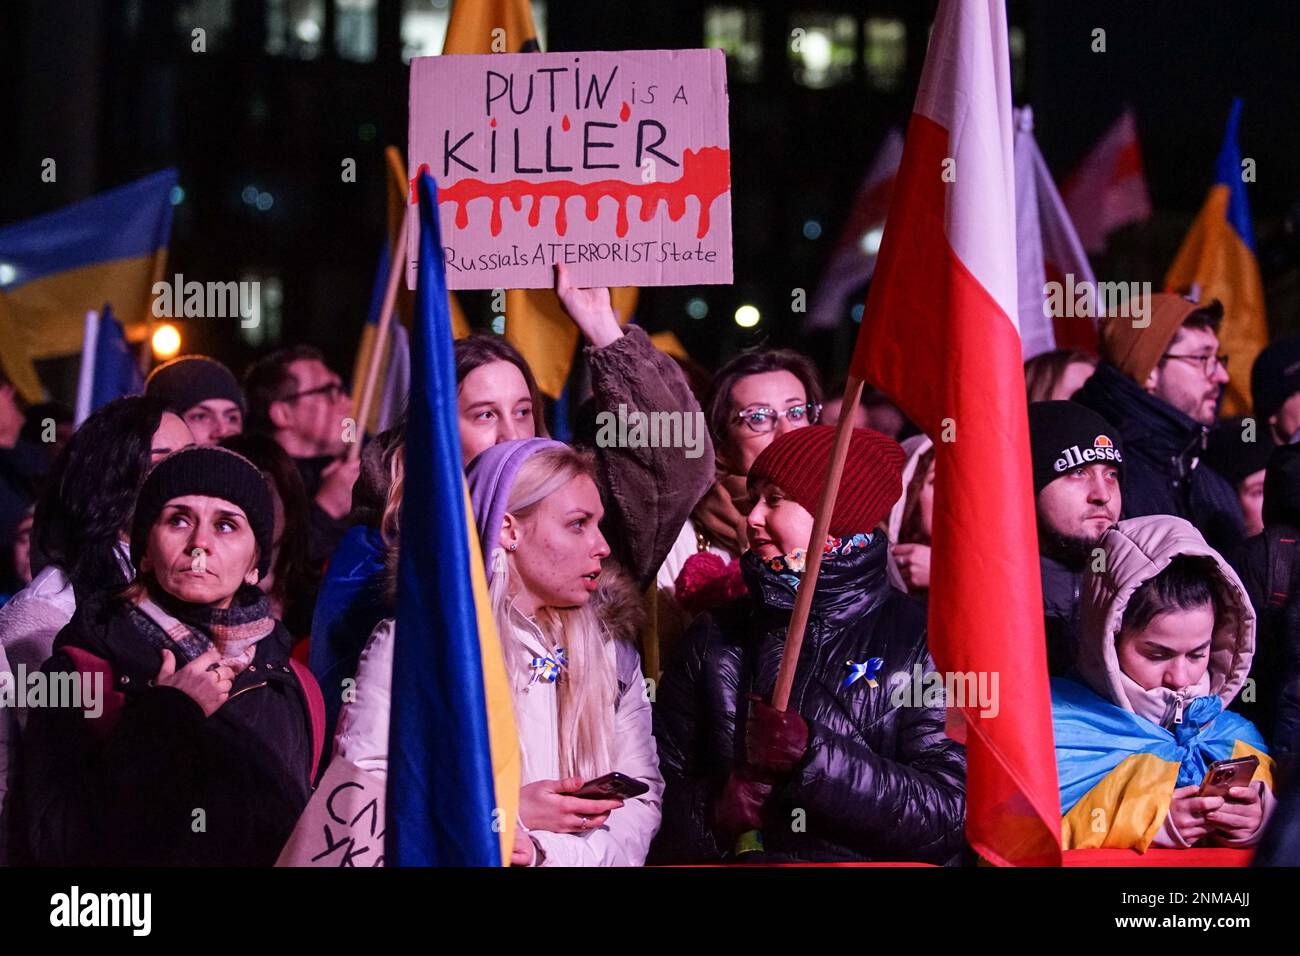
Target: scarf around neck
[189, 630]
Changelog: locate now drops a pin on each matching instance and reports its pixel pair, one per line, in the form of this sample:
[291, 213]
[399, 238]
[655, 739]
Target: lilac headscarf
[490, 476]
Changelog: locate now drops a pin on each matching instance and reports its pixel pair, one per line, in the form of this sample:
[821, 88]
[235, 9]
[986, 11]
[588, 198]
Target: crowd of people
[212, 556]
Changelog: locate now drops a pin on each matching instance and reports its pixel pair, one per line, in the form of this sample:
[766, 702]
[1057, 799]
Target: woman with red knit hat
[845, 773]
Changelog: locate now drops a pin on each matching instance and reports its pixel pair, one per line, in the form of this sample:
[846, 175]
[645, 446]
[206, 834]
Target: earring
[514, 547]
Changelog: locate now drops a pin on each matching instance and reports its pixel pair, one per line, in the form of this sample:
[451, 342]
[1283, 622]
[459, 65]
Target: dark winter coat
[1164, 472]
[878, 781]
[1061, 589]
[154, 782]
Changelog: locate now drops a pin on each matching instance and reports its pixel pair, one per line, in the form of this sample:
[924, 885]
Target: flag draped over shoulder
[1218, 259]
[940, 336]
[1047, 250]
[58, 266]
[536, 323]
[453, 772]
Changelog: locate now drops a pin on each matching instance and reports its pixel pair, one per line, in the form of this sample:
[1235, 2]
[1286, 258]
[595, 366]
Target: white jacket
[624, 840]
[29, 622]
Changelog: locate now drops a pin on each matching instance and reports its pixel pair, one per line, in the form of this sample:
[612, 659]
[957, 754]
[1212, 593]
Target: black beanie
[214, 473]
[1274, 378]
[186, 381]
[1236, 459]
[1066, 435]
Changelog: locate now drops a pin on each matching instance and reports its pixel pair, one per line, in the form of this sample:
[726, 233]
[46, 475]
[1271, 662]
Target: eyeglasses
[331, 390]
[762, 420]
[1209, 363]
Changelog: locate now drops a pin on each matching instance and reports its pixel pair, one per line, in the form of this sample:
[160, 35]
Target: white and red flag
[1048, 250]
[1109, 189]
[940, 335]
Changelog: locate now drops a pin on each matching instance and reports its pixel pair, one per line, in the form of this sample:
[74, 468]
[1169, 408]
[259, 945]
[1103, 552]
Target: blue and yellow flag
[108, 369]
[57, 267]
[1217, 260]
[453, 768]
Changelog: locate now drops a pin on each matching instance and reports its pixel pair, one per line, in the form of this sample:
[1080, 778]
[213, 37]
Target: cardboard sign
[616, 164]
[343, 824]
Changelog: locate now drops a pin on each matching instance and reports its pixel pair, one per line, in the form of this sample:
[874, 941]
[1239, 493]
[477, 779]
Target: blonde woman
[581, 706]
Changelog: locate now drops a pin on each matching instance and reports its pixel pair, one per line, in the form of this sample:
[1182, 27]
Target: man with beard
[1077, 462]
[1158, 384]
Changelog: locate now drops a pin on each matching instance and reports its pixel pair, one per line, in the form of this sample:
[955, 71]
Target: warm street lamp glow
[166, 341]
[747, 317]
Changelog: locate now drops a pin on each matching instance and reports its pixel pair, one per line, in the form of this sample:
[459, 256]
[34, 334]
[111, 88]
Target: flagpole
[821, 528]
[86, 374]
[396, 265]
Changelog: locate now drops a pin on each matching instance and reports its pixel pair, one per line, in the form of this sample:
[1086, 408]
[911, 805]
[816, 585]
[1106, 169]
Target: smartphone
[1223, 775]
[612, 786]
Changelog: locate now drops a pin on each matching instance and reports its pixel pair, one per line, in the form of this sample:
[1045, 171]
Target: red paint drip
[565, 124]
[706, 175]
[415, 194]
[625, 112]
[494, 122]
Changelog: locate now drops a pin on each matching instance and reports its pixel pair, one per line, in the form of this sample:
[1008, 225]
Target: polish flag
[854, 258]
[1109, 189]
[940, 335]
[1048, 250]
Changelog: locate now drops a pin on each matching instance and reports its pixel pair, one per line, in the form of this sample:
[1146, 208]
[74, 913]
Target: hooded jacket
[1121, 750]
[879, 780]
[1164, 473]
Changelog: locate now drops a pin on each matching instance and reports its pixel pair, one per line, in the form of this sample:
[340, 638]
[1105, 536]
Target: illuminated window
[295, 28]
[886, 53]
[737, 31]
[213, 17]
[822, 49]
[355, 34]
[424, 26]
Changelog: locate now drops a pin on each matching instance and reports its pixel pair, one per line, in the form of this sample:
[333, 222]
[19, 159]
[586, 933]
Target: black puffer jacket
[1061, 589]
[879, 782]
[1164, 473]
[126, 788]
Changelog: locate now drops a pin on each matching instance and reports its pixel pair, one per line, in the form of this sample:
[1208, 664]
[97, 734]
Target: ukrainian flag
[1218, 259]
[453, 767]
[383, 412]
[59, 266]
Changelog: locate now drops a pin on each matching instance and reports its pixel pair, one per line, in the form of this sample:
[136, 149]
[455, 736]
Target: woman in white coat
[581, 704]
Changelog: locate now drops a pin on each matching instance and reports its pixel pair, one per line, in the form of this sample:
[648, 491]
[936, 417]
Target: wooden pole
[396, 266]
[821, 528]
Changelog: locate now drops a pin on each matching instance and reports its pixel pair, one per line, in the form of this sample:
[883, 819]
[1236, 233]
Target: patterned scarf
[189, 630]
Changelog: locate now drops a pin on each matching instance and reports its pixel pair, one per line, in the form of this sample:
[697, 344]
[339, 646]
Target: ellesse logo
[1103, 449]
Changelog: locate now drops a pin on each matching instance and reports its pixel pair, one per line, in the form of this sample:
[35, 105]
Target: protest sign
[343, 824]
[616, 164]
